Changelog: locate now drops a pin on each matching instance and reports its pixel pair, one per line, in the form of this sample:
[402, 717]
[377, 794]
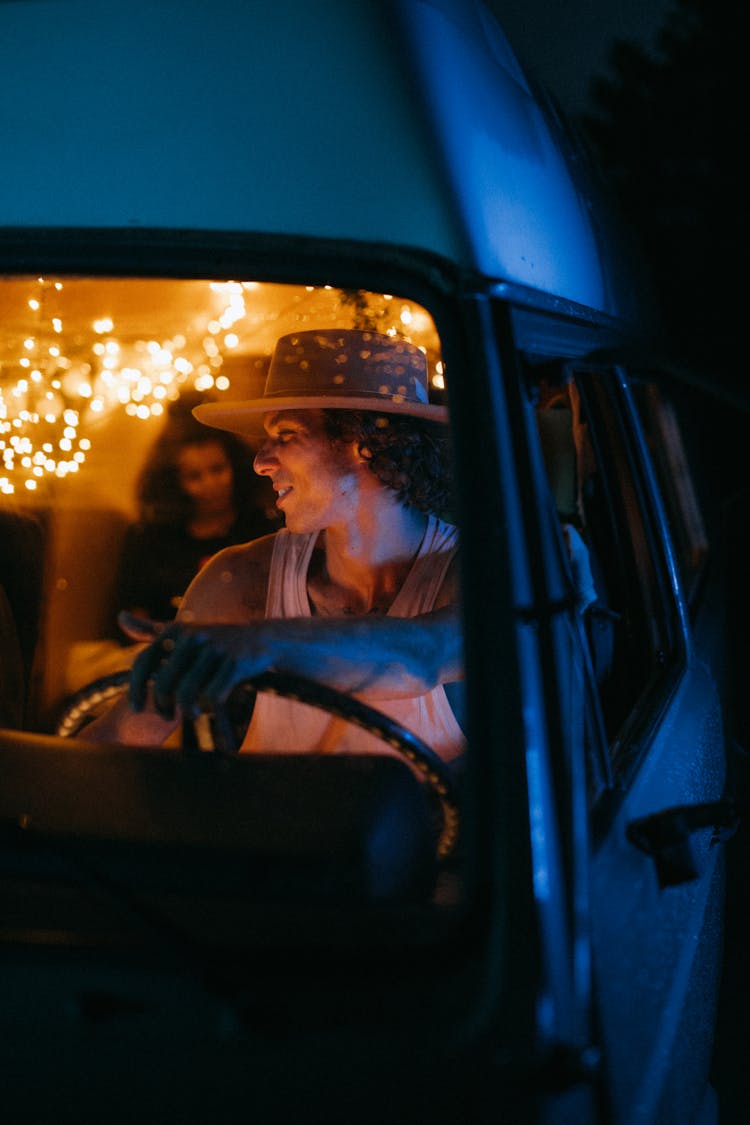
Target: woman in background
[196, 495]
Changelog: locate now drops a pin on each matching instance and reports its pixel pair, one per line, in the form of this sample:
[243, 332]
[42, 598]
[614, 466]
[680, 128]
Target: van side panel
[523, 215]
[403, 123]
[189, 115]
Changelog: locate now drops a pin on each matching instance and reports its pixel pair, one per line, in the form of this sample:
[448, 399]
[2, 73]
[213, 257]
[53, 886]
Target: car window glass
[94, 372]
[618, 567]
[114, 497]
[666, 447]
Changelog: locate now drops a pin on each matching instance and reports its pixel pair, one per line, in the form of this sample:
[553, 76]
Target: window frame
[664, 438]
[628, 742]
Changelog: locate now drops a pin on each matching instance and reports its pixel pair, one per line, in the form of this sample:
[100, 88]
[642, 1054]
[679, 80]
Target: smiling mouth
[282, 493]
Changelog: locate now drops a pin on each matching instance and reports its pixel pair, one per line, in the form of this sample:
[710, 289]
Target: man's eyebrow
[277, 420]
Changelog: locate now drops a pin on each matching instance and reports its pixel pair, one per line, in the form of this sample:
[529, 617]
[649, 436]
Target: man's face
[317, 483]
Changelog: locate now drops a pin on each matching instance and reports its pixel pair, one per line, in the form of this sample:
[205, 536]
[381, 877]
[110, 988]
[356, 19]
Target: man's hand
[193, 667]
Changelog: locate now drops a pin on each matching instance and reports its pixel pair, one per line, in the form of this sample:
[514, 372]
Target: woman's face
[205, 475]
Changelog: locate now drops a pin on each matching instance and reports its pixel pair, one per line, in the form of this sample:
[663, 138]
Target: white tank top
[286, 726]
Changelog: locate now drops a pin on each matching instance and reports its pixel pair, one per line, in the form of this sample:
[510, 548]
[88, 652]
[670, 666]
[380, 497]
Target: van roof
[407, 124]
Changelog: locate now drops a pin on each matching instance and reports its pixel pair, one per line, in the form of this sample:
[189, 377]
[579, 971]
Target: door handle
[666, 836]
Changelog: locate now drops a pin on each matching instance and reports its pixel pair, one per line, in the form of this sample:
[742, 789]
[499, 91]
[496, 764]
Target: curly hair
[408, 455]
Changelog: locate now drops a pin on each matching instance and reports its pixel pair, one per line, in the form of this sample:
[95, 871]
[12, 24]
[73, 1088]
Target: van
[189, 931]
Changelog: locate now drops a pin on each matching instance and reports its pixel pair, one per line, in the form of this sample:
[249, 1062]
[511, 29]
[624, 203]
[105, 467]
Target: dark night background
[654, 90]
[653, 87]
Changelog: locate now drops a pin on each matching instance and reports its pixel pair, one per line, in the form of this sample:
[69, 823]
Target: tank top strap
[423, 582]
[287, 580]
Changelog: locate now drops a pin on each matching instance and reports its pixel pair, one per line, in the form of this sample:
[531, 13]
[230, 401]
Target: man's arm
[197, 661]
[230, 587]
[194, 665]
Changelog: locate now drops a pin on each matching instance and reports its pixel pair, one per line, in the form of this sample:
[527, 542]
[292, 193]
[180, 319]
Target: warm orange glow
[72, 353]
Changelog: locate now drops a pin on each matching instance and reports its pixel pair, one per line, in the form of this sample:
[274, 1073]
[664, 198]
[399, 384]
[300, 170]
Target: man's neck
[362, 566]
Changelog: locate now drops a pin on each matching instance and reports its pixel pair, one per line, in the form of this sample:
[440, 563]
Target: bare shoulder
[232, 585]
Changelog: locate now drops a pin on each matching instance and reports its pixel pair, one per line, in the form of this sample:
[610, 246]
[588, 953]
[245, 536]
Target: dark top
[21, 576]
[159, 561]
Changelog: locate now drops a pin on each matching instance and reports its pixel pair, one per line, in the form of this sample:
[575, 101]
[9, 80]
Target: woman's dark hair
[408, 455]
[160, 497]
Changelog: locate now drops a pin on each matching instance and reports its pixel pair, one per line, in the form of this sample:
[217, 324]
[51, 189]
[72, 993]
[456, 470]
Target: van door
[656, 931]
[654, 743]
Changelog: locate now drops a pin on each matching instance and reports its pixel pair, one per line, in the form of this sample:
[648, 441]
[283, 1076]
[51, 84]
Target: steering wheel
[429, 766]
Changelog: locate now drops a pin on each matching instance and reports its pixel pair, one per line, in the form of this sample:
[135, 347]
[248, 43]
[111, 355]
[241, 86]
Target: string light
[47, 394]
[54, 387]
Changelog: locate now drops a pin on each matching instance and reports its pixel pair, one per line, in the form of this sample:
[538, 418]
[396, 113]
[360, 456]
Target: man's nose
[264, 460]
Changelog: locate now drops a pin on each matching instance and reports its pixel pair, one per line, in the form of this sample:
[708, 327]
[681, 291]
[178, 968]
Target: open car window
[615, 546]
[95, 372]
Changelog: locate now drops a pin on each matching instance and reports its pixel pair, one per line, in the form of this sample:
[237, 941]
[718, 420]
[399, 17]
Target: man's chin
[300, 525]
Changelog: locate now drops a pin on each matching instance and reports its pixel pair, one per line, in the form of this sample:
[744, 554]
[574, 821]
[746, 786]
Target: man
[359, 590]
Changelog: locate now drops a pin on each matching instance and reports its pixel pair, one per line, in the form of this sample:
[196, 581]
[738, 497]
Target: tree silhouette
[658, 130]
[665, 129]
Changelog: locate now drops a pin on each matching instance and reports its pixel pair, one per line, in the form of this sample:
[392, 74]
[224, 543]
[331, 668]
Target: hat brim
[247, 416]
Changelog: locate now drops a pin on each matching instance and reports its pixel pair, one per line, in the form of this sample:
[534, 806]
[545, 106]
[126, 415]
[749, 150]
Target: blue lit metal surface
[408, 125]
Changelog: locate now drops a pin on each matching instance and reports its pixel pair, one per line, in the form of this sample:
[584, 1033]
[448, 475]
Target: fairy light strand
[54, 389]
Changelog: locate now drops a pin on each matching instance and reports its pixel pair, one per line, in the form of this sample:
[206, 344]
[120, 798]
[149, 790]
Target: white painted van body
[392, 147]
[399, 125]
